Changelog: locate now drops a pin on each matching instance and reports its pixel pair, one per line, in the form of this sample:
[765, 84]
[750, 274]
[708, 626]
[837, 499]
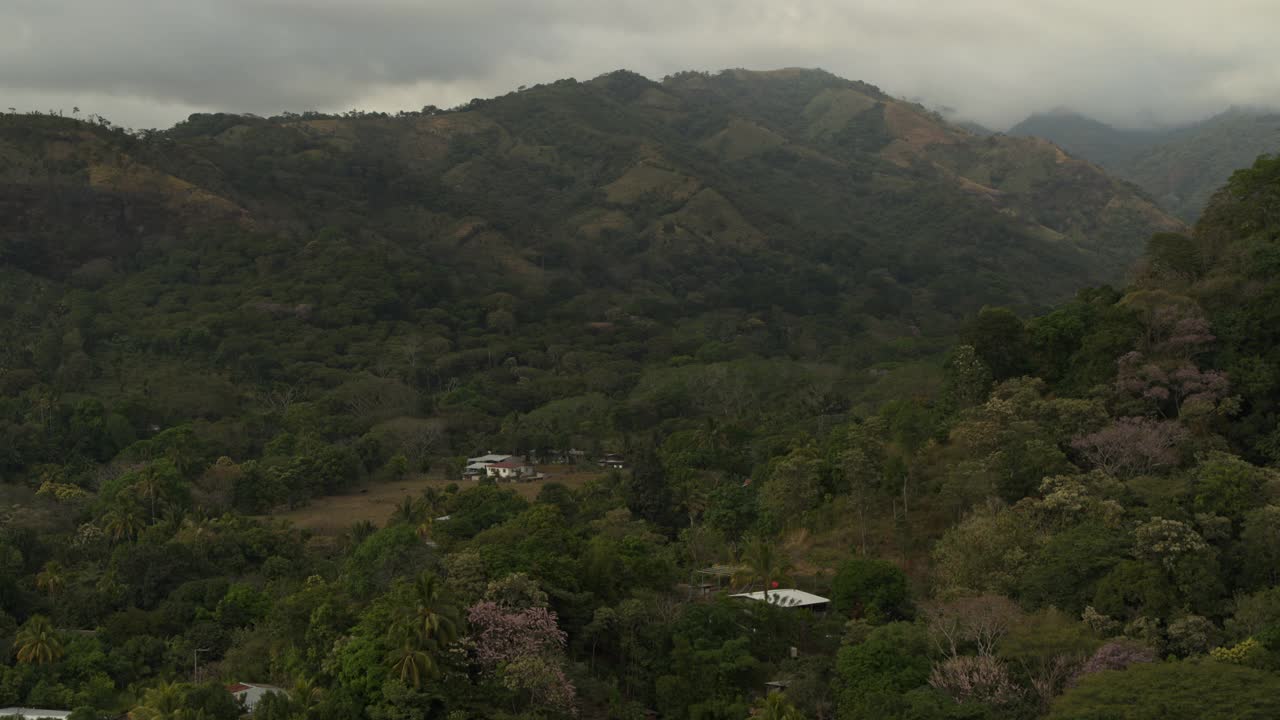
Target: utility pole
[195, 664]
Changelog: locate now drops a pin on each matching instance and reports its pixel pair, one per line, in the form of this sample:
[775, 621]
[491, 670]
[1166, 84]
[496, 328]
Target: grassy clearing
[375, 501]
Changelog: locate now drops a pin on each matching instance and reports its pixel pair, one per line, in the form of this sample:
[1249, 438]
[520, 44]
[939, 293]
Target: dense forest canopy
[834, 338]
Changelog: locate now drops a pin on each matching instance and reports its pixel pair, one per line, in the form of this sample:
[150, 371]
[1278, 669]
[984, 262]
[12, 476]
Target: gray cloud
[151, 62]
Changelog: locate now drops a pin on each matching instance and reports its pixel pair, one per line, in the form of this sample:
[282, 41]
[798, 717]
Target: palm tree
[52, 578]
[764, 562]
[360, 530]
[37, 642]
[163, 702]
[436, 618]
[408, 512]
[122, 523]
[433, 501]
[150, 487]
[412, 663]
[306, 694]
[424, 529]
[777, 707]
[429, 623]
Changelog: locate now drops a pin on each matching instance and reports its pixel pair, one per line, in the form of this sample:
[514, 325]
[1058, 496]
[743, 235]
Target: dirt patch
[376, 501]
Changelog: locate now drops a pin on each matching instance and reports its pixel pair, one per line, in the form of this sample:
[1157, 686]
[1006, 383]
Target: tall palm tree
[430, 621]
[765, 562]
[37, 642]
[435, 616]
[52, 579]
[412, 663]
[150, 487]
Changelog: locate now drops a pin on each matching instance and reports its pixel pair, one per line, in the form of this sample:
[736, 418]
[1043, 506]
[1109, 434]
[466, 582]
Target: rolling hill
[1181, 167]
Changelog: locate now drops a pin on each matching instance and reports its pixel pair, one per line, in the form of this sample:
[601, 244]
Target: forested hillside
[784, 298]
[570, 256]
[1181, 167]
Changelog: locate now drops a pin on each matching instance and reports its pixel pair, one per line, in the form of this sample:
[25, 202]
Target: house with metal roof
[787, 597]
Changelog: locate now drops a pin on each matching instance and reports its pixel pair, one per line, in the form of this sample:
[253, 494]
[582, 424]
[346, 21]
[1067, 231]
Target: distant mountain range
[1181, 167]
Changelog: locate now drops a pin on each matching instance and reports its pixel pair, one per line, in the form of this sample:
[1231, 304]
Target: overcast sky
[150, 63]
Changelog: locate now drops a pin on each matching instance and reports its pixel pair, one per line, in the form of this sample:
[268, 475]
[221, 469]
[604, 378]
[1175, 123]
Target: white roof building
[786, 598]
[487, 459]
[34, 713]
[251, 694]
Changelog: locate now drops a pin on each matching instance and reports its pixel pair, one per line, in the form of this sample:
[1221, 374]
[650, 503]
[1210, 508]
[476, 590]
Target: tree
[874, 589]
[976, 624]
[968, 377]
[411, 662]
[873, 676]
[986, 552]
[52, 579]
[998, 337]
[1114, 655]
[425, 626]
[765, 562]
[792, 489]
[166, 701]
[1133, 446]
[434, 615]
[1200, 689]
[1260, 546]
[123, 522]
[37, 642]
[776, 707]
[980, 679]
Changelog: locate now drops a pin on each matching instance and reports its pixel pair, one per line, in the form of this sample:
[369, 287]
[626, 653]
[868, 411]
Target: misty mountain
[702, 218]
[1179, 166]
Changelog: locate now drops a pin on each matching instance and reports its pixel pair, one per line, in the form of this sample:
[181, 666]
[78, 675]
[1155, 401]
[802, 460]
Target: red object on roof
[510, 464]
[234, 688]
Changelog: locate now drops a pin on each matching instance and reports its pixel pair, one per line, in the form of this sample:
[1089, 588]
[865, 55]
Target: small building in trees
[787, 597]
[512, 469]
[250, 694]
[478, 467]
[34, 713]
[612, 461]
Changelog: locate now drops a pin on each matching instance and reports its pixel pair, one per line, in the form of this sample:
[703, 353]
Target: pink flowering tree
[1114, 655]
[969, 678]
[523, 648]
[1132, 446]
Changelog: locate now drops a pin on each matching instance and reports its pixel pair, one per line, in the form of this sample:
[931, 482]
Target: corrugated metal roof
[786, 598]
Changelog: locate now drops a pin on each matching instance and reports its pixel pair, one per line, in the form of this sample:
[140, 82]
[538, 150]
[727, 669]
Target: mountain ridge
[790, 216]
[1180, 166]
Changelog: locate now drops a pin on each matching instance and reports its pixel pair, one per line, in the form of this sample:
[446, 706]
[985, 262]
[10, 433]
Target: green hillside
[222, 344]
[1180, 167]
[564, 241]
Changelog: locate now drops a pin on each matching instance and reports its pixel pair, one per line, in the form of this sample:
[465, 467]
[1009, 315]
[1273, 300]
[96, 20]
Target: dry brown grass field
[374, 501]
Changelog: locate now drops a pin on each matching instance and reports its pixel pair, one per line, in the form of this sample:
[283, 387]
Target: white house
[478, 466]
[251, 694]
[34, 713]
[612, 461]
[787, 598]
[511, 469]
